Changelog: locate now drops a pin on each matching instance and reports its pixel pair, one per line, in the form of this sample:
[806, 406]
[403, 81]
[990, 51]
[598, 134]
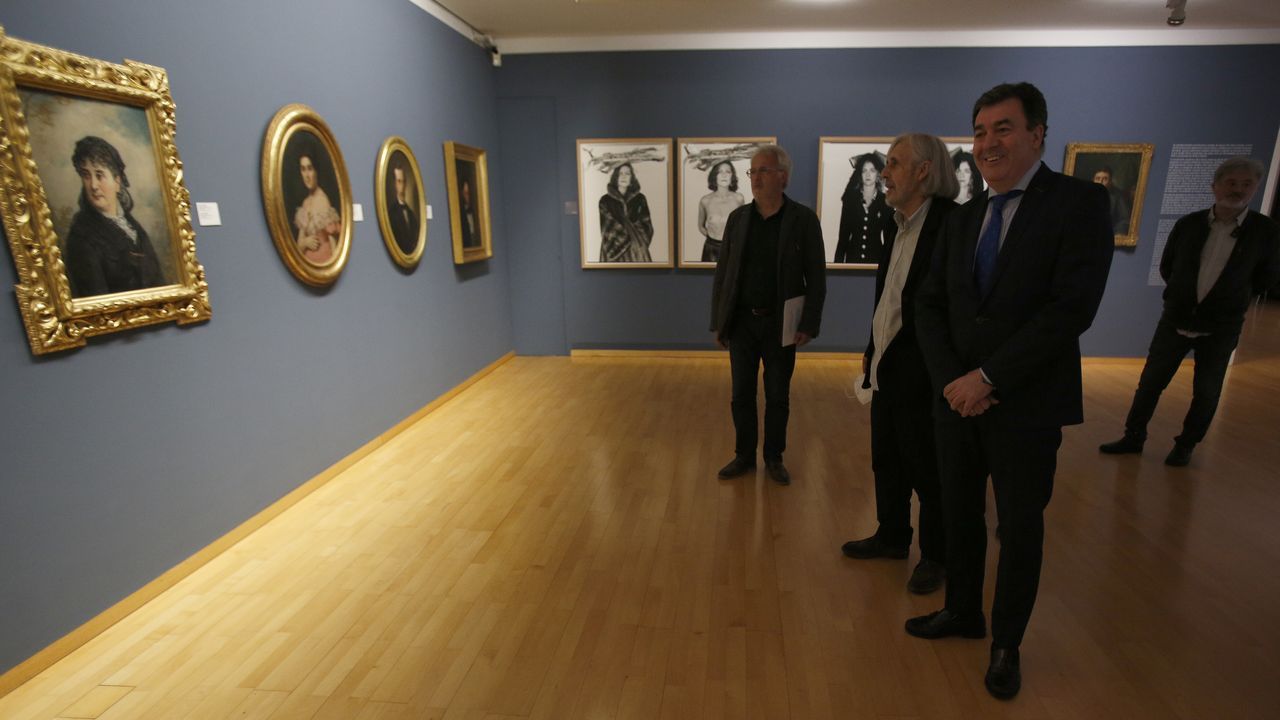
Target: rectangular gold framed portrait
[467, 181]
[624, 203]
[91, 193]
[713, 183]
[851, 202]
[1121, 168]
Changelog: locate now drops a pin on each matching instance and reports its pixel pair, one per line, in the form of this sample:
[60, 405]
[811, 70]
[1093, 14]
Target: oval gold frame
[389, 147]
[289, 120]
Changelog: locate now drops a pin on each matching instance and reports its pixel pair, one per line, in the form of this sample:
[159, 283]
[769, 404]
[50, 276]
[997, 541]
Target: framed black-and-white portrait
[713, 183]
[1122, 169]
[852, 208]
[95, 210]
[624, 203]
[306, 194]
[402, 202]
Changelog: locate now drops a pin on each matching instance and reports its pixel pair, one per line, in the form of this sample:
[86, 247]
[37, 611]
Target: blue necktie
[984, 266]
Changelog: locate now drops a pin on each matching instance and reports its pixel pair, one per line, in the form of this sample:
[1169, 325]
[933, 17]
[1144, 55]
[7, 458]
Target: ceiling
[566, 25]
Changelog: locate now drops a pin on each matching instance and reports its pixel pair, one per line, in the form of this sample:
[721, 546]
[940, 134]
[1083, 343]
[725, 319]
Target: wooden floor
[553, 543]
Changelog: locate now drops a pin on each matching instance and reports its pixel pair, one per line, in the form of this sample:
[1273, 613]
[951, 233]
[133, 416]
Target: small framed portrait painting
[95, 210]
[1122, 169]
[624, 203]
[713, 183]
[852, 208]
[402, 202]
[467, 180]
[307, 195]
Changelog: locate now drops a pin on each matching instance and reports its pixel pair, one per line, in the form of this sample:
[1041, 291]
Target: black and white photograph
[1121, 169]
[624, 203]
[851, 201]
[713, 183]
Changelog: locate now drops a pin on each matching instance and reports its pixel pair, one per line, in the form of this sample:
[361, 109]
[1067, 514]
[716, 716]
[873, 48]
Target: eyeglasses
[763, 171]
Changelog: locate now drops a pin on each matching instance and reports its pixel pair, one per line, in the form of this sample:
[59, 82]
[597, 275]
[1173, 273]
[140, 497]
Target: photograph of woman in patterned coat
[626, 229]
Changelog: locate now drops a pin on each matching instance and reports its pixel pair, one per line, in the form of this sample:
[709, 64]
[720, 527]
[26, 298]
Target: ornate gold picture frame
[91, 193]
[402, 202]
[466, 172]
[307, 195]
[1121, 168]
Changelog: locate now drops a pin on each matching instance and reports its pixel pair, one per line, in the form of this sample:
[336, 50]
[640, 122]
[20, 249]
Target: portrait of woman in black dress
[107, 249]
[864, 214]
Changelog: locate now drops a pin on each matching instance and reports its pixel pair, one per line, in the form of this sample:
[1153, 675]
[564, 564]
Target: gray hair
[783, 158]
[1240, 162]
[940, 181]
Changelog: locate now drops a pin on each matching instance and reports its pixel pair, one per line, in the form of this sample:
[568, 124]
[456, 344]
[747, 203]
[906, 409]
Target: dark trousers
[904, 458]
[1168, 348]
[1021, 462]
[753, 340]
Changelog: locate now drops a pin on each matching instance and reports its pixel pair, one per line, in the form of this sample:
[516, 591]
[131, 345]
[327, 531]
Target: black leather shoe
[737, 467]
[1124, 446]
[945, 623]
[1179, 456]
[927, 577]
[872, 547]
[1004, 675]
[778, 472]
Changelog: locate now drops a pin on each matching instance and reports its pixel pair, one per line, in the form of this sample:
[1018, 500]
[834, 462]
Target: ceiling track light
[1177, 12]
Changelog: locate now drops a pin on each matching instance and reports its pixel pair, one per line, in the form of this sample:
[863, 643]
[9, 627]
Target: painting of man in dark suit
[402, 213]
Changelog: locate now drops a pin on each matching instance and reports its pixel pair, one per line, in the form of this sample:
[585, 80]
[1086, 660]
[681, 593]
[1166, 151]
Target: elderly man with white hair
[1214, 262]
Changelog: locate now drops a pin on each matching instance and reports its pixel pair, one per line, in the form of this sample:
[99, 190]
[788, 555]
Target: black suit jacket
[1252, 268]
[802, 266]
[1025, 334]
[405, 233]
[902, 372]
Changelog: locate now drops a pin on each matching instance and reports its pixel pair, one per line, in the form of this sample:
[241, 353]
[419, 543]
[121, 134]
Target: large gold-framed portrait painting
[306, 194]
[402, 202]
[466, 176]
[95, 210]
[1121, 168]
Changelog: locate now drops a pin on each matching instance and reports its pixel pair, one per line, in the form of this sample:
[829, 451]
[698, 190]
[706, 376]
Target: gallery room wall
[123, 458]
[1160, 95]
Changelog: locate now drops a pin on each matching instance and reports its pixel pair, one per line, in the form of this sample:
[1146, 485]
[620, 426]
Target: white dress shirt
[887, 320]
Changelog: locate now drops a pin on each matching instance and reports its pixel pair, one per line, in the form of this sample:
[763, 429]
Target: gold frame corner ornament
[454, 151]
[54, 319]
[288, 121]
[390, 146]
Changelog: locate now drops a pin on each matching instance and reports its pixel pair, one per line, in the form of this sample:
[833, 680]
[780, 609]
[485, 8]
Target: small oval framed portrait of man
[402, 202]
[307, 195]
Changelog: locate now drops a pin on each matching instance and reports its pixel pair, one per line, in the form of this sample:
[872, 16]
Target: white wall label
[207, 214]
[357, 212]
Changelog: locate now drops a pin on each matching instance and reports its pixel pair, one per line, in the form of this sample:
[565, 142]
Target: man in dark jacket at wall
[1215, 261]
[772, 261]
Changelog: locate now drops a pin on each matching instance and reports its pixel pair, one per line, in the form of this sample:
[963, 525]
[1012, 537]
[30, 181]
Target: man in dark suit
[919, 184]
[404, 221]
[1017, 277]
[772, 253]
[1213, 264]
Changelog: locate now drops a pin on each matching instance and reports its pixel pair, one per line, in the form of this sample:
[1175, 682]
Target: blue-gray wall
[1160, 95]
[123, 458]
